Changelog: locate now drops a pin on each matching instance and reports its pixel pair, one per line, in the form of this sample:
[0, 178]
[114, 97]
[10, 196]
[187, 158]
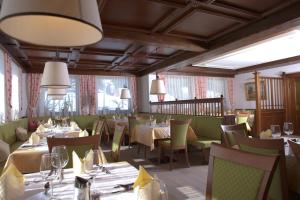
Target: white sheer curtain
[2, 90]
[217, 87]
[15, 92]
[69, 105]
[108, 93]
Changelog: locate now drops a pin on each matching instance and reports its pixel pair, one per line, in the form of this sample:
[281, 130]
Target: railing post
[258, 102]
[176, 104]
[222, 105]
[195, 106]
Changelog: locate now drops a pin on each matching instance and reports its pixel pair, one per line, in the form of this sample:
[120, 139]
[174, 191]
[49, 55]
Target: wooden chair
[80, 145]
[278, 188]
[295, 148]
[116, 143]
[228, 131]
[234, 174]
[178, 131]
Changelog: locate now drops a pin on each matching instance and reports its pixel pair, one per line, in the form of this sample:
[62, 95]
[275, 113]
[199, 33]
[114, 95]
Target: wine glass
[62, 153]
[158, 190]
[47, 170]
[276, 132]
[288, 128]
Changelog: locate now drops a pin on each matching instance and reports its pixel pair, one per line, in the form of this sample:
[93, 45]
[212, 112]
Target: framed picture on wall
[250, 91]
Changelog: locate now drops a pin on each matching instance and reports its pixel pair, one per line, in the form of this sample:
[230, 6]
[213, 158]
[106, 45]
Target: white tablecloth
[120, 173]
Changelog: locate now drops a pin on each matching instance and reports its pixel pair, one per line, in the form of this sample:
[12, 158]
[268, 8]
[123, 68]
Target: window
[108, 93]
[2, 93]
[15, 91]
[65, 106]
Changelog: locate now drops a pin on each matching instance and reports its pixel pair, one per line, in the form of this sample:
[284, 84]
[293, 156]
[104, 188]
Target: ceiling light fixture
[57, 23]
[158, 87]
[55, 75]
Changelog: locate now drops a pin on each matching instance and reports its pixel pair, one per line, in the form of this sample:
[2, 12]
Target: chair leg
[145, 151]
[171, 159]
[138, 148]
[187, 157]
[159, 154]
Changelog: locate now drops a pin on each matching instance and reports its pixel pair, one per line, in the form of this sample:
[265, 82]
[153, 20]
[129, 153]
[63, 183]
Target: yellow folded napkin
[74, 126]
[50, 123]
[11, 183]
[83, 133]
[80, 164]
[40, 129]
[34, 138]
[266, 134]
[146, 187]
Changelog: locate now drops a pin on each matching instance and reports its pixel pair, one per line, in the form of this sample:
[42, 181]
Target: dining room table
[27, 157]
[111, 123]
[147, 134]
[113, 183]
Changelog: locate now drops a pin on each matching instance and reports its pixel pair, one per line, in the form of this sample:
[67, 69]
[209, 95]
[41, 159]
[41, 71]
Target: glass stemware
[63, 160]
[276, 132]
[288, 128]
[48, 171]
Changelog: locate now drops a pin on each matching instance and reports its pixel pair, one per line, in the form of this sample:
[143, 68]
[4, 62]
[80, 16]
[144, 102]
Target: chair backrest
[116, 143]
[228, 132]
[80, 145]
[278, 188]
[95, 126]
[99, 128]
[295, 148]
[234, 174]
[131, 124]
[178, 130]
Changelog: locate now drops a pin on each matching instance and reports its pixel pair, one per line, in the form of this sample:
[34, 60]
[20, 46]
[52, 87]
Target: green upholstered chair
[278, 188]
[228, 132]
[116, 143]
[178, 141]
[295, 147]
[243, 118]
[80, 145]
[235, 175]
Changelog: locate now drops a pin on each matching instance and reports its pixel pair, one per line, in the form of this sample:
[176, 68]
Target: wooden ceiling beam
[270, 65]
[154, 39]
[202, 71]
[277, 23]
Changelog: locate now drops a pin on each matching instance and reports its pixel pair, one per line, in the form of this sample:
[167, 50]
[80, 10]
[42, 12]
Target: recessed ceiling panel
[255, 5]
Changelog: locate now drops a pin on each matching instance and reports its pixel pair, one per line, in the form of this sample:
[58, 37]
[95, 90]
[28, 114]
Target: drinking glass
[63, 160]
[47, 170]
[288, 128]
[276, 132]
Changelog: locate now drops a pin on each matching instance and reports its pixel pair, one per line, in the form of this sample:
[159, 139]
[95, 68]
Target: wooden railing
[199, 107]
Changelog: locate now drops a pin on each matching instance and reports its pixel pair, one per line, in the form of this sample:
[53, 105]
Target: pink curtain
[230, 91]
[20, 75]
[133, 91]
[201, 87]
[8, 86]
[34, 81]
[87, 94]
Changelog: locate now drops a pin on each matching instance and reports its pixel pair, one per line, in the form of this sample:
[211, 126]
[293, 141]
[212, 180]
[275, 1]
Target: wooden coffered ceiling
[144, 36]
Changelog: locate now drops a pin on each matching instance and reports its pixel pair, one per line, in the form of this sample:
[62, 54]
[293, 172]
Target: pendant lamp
[57, 23]
[55, 75]
[158, 87]
[125, 93]
[55, 91]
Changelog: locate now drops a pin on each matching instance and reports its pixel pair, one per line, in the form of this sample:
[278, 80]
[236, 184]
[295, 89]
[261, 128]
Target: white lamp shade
[58, 23]
[158, 87]
[55, 75]
[57, 92]
[125, 94]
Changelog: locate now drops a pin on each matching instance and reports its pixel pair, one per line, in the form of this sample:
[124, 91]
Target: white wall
[240, 101]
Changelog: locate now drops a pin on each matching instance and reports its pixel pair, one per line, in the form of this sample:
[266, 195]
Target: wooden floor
[183, 183]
